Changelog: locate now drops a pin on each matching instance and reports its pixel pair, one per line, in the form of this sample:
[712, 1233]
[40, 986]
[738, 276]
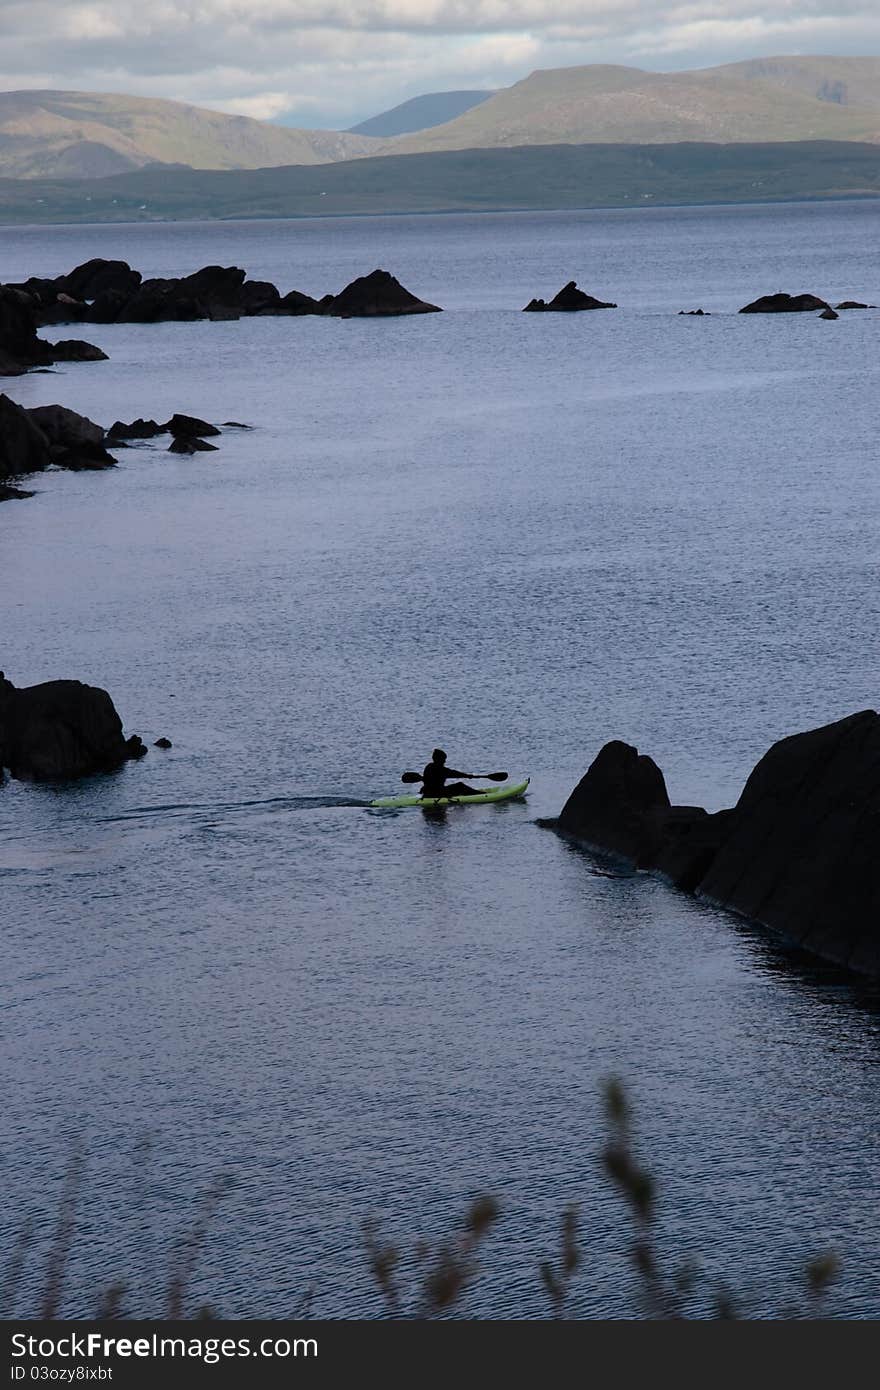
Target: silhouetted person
[437, 774]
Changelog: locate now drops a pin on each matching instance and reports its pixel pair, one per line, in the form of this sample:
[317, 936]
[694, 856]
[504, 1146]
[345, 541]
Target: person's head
[438, 756]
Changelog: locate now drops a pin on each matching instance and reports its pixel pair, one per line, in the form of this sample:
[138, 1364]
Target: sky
[330, 63]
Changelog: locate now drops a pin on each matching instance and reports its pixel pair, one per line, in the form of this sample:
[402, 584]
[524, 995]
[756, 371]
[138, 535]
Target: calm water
[517, 537]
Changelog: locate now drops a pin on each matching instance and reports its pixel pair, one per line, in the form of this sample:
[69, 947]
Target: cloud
[336, 60]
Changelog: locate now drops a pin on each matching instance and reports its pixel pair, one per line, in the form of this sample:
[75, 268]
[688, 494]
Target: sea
[249, 1024]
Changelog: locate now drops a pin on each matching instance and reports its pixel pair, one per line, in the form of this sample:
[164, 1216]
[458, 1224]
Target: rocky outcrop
[568, 300]
[295, 304]
[829, 314]
[854, 304]
[61, 730]
[785, 304]
[97, 277]
[800, 851]
[693, 313]
[377, 295]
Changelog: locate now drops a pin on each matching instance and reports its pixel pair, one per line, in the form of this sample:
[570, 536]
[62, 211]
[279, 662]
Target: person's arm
[451, 772]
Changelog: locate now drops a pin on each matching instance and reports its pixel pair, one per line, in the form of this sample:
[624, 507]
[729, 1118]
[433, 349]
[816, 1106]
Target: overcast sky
[314, 62]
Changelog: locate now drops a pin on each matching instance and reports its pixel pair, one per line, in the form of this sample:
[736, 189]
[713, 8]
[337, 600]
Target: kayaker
[437, 774]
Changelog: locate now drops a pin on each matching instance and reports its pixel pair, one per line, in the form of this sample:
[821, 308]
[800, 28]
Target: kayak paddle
[485, 776]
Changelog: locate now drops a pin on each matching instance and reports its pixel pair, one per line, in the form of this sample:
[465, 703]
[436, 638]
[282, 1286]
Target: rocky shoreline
[798, 853]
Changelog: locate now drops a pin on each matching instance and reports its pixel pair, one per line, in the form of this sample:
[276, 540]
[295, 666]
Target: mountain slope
[420, 113]
[91, 134]
[770, 99]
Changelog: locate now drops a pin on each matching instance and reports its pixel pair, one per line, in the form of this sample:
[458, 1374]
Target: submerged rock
[785, 304]
[162, 743]
[75, 350]
[568, 300]
[829, 314]
[800, 851]
[138, 429]
[60, 730]
[189, 427]
[854, 304]
[377, 295]
[190, 444]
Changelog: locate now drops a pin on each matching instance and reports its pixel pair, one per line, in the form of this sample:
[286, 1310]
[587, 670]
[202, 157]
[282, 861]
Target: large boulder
[138, 429]
[568, 300]
[24, 447]
[157, 301]
[259, 297]
[785, 304]
[61, 730]
[377, 295]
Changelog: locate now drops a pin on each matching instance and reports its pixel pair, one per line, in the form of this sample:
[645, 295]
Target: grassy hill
[557, 176]
[768, 99]
[92, 134]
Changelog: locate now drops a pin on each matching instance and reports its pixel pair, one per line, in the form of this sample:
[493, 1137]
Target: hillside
[420, 113]
[93, 134]
[767, 99]
[557, 176]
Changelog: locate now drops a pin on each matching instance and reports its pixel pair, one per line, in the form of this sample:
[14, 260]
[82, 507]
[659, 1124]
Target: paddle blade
[413, 777]
[497, 776]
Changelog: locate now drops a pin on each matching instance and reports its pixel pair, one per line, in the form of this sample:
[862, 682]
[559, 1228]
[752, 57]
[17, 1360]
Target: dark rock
[377, 295]
[785, 304]
[619, 804]
[9, 366]
[24, 447]
[693, 313]
[74, 441]
[829, 314]
[107, 307]
[259, 297]
[12, 494]
[190, 444]
[217, 290]
[159, 301]
[63, 426]
[97, 277]
[19, 343]
[854, 304]
[569, 299]
[803, 851]
[296, 304]
[59, 730]
[138, 429]
[162, 743]
[800, 851]
[63, 309]
[189, 427]
[135, 747]
[235, 425]
[75, 350]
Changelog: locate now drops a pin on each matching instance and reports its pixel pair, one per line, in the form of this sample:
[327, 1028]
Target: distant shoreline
[647, 207]
[537, 178]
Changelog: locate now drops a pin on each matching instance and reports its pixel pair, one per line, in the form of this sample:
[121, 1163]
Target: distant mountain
[94, 134]
[767, 99]
[541, 176]
[420, 113]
